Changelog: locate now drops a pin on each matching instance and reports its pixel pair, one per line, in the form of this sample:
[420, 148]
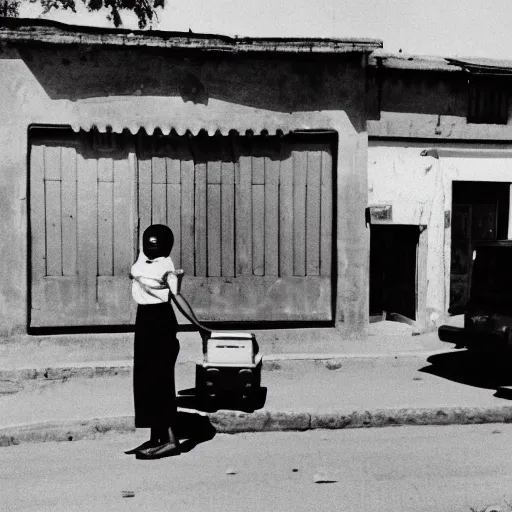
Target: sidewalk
[392, 378]
[384, 339]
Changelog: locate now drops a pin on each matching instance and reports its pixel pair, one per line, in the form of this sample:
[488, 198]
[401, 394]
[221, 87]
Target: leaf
[145, 10]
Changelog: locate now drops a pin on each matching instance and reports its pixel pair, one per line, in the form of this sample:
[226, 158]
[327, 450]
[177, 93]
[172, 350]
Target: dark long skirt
[155, 353]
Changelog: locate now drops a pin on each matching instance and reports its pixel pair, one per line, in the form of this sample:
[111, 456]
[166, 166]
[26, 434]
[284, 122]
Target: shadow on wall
[271, 82]
[482, 370]
[423, 92]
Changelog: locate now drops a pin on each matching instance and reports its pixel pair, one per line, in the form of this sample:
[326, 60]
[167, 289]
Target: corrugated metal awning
[183, 130]
[174, 115]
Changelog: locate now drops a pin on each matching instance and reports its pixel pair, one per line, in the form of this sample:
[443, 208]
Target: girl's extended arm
[184, 307]
[174, 283]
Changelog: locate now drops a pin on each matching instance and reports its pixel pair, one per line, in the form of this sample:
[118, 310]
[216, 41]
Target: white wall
[419, 189]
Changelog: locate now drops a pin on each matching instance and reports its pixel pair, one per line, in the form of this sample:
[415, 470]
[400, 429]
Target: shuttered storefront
[82, 232]
[252, 219]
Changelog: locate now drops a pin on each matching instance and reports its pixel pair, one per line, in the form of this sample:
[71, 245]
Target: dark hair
[157, 241]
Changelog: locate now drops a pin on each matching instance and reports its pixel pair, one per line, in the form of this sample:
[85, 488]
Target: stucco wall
[13, 203]
[419, 188]
[426, 104]
[82, 87]
[423, 105]
[436, 126]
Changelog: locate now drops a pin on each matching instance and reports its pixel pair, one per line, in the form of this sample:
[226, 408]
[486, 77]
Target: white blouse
[152, 279]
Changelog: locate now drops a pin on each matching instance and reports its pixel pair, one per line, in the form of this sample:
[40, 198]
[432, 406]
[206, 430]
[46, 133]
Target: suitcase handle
[185, 308]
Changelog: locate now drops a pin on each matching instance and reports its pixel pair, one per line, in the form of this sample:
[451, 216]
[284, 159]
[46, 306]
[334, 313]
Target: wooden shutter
[252, 220]
[82, 232]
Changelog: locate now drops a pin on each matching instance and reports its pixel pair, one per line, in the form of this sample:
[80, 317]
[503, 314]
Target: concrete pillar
[13, 205]
[353, 237]
[437, 268]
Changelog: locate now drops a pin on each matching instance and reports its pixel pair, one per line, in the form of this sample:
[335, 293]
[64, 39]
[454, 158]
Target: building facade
[253, 151]
[439, 174]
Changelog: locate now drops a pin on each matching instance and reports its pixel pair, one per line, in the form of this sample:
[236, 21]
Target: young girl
[156, 346]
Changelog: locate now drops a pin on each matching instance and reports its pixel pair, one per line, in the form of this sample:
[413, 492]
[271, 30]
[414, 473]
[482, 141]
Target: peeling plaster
[40, 89]
[420, 192]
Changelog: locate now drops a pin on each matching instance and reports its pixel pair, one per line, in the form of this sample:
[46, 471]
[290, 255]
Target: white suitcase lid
[257, 361]
[227, 335]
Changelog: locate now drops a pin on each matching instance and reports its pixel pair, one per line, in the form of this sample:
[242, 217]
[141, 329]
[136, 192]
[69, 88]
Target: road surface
[445, 469]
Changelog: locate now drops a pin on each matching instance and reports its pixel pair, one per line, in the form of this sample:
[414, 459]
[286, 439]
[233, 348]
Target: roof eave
[483, 69]
[27, 31]
[406, 62]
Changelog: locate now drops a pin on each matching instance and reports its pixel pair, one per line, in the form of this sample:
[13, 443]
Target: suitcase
[230, 373]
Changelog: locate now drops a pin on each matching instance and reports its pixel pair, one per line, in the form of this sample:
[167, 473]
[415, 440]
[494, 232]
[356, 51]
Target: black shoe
[143, 446]
[158, 452]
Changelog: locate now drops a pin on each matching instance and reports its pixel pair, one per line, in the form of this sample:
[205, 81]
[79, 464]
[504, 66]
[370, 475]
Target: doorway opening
[393, 270]
[480, 211]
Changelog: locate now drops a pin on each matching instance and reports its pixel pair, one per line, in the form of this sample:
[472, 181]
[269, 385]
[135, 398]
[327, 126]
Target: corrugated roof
[484, 66]
[28, 30]
[383, 59]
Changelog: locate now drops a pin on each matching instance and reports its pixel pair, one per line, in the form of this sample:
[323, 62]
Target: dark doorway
[479, 212]
[393, 250]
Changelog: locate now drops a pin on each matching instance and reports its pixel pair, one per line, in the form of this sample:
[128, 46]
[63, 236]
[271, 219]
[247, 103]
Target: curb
[232, 422]
[65, 371]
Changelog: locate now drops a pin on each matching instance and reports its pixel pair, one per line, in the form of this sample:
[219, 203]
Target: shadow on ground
[483, 370]
[189, 399]
[194, 429]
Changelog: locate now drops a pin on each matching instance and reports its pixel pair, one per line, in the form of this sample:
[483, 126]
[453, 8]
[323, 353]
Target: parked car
[488, 312]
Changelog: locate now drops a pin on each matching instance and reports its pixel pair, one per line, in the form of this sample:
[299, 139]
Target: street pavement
[417, 381]
[450, 468]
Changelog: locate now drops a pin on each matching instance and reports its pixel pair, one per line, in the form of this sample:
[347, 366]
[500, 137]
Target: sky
[447, 28]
